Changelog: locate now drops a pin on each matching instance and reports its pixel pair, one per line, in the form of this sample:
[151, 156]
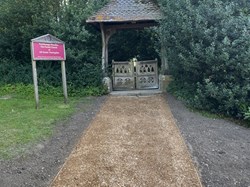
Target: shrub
[208, 45]
[247, 114]
[12, 72]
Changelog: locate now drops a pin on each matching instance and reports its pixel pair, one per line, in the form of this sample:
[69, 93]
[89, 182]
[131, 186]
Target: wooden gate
[135, 75]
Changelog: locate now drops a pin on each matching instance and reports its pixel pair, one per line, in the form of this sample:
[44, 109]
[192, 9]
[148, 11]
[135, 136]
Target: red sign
[48, 51]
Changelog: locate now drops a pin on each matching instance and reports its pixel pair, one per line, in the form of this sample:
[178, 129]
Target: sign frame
[49, 48]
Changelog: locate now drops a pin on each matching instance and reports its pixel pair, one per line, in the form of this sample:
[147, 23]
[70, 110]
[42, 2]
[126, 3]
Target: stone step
[136, 92]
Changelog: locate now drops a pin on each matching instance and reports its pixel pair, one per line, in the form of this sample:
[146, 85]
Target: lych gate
[128, 14]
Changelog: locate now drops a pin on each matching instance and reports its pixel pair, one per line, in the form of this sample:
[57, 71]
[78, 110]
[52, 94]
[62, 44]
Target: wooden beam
[106, 34]
[109, 33]
[130, 25]
[103, 49]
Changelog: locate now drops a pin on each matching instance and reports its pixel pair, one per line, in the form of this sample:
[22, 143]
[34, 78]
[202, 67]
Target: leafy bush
[27, 91]
[11, 72]
[83, 42]
[247, 114]
[30, 19]
[208, 45]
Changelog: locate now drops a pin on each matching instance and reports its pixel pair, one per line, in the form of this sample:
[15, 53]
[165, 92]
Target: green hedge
[208, 45]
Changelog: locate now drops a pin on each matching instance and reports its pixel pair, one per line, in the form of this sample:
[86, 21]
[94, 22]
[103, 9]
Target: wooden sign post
[48, 48]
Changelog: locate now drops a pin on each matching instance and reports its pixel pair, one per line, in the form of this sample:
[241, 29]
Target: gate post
[106, 34]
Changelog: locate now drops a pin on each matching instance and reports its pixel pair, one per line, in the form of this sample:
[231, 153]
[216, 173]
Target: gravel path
[220, 148]
[133, 141]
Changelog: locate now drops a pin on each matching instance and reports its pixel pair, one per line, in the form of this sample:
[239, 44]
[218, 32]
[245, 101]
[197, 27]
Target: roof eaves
[127, 10]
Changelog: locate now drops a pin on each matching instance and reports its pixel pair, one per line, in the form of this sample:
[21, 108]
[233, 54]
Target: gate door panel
[147, 74]
[123, 76]
[135, 75]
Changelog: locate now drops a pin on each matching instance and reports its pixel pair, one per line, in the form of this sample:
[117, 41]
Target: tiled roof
[127, 10]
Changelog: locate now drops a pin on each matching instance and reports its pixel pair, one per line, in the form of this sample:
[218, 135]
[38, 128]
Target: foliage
[12, 71]
[27, 91]
[208, 47]
[64, 19]
[247, 114]
[17, 89]
[20, 21]
[83, 42]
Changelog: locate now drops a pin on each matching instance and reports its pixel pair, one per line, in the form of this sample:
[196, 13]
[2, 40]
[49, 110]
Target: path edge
[77, 142]
[164, 96]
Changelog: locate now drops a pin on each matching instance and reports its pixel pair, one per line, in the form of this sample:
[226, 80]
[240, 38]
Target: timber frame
[124, 14]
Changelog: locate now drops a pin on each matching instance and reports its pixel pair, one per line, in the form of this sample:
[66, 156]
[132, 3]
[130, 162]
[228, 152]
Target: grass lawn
[21, 125]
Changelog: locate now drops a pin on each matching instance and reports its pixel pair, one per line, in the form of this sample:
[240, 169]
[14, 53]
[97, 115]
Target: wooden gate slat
[123, 76]
[142, 75]
[147, 74]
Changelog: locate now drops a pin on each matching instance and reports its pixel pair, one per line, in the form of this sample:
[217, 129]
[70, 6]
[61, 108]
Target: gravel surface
[133, 141]
[38, 167]
[220, 148]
